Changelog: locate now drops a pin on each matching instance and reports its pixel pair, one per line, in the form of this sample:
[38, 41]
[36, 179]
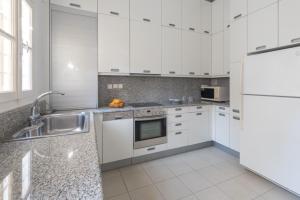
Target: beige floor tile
[173, 189]
[194, 181]
[212, 193]
[196, 162]
[190, 198]
[159, 173]
[177, 165]
[278, 194]
[121, 197]
[146, 193]
[231, 169]
[132, 169]
[113, 185]
[136, 180]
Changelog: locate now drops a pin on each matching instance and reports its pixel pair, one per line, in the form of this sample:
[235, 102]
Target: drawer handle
[147, 71]
[261, 47]
[228, 26]
[178, 109]
[207, 32]
[172, 25]
[235, 110]
[75, 5]
[146, 20]
[198, 114]
[228, 72]
[178, 133]
[295, 40]
[237, 16]
[222, 108]
[206, 74]
[192, 29]
[172, 72]
[179, 124]
[221, 114]
[178, 116]
[192, 73]
[199, 107]
[151, 149]
[114, 13]
[114, 70]
[118, 117]
[236, 118]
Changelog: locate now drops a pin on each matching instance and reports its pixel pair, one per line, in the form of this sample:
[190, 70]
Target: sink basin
[55, 124]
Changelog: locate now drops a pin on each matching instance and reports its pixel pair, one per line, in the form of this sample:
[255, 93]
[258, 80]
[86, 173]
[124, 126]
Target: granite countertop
[61, 167]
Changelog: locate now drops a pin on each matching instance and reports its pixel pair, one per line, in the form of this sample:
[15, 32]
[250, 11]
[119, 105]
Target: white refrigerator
[270, 140]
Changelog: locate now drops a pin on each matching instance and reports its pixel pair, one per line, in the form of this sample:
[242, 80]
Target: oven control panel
[149, 112]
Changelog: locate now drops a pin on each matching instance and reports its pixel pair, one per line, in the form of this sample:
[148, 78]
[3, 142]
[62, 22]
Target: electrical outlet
[115, 86]
[120, 86]
[109, 86]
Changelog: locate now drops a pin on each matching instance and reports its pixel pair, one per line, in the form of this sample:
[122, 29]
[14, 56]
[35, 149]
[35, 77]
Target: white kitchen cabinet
[177, 139]
[146, 10]
[235, 131]
[171, 51]
[117, 140]
[149, 150]
[113, 44]
[191, 48]
[114, 7]
[226, 13]
[263, 29]
[289, 29]
[238, 40]
[145, 48]
[238, 9]
[171, 13]
[205, 16]
[198, 127]
[86, 5]
[222, 128]
[191, 15]
[254, 5]
[217, 16]
[235, 87]
[205, 54]
[226, 52]
[217, 54]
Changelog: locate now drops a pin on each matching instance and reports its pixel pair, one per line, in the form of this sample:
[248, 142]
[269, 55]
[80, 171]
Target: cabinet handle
[178, 133]
[198, 114]
[192, 73]
[261, 47]
[172, 25]
[192, 29]
[146, 20]
[178, 109]
[295, 40]
[172, 72]
[228, 72]
[237, 16]
[206, 74]
[114, 13]
[221, 114]
[236, 118]
[199, 107]
[207, 32]
[147, 71]
[228, 26]
[178, 116]
[114, 70]
[179, 124]
[75, 5]
[222, 108]
[235, 110]
[151, 149]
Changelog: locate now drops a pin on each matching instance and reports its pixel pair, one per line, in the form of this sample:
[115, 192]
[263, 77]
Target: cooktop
[146, 104]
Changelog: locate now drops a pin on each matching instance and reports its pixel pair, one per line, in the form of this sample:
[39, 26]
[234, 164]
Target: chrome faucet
[35, 113]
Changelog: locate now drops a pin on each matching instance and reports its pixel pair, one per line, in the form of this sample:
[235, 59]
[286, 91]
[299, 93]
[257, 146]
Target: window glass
[6, 65]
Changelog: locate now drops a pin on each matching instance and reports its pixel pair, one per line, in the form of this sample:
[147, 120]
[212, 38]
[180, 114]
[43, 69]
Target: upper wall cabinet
[289, 15]
[238, 40]
[113, 44]
[87, 5]
[114, 7]
[171, 13]
[226, 13]
[238, 8]
[205, 54]
[205, 16]
[217, 16]
[254, 5]
[146, 10]
[226, 52]
[191, 15]
[217, 54]
[263, 29]
[145, 51]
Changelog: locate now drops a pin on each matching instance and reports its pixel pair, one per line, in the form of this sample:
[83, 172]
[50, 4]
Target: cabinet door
[114, 7]
[113, 44]
[191, 15]
[205, 16]
[199, 130]
[217, 16]
[117, 140]
[235, 87]
[191, 46]
[254, 5]
[171, 13]
[222, 128]
[289, 29]
[263, 29]
[238, 40]
[171, 51]
[177, 139]
[87, 5]
[226, 52]
[146, 10]
[217, 54]
[238, 8]
[145, 48]
[226, 13]
[235, 130]
[205, 55]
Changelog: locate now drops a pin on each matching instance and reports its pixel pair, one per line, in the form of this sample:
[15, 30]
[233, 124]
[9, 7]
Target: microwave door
[208, 93]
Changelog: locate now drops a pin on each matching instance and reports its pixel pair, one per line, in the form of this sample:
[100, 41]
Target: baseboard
[226, 149]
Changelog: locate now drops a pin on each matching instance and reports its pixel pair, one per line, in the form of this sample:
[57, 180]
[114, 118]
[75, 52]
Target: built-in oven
[150, 128]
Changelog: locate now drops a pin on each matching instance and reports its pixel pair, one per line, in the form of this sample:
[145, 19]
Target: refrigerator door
[74, 60]
[270, 140]
[275, 73]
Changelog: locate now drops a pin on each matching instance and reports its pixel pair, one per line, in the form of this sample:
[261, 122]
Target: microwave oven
[215, 93]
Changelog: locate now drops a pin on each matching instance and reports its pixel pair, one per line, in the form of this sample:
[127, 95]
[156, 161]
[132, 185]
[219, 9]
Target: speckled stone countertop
[62, 167]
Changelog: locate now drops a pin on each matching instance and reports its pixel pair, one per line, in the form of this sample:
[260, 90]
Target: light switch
[109, 86]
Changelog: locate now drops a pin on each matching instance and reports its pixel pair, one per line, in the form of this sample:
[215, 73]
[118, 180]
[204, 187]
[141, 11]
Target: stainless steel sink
[55, 124]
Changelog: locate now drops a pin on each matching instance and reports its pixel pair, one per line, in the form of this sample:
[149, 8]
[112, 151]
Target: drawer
[87, 5]
[177, 110]
[177, 139]
[176, 126]
[222, 109]
[117, 115]
[149, 150]
[179, 117]
[197, 108]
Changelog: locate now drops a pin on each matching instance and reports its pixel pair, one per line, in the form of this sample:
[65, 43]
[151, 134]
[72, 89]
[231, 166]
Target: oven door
[150, 131]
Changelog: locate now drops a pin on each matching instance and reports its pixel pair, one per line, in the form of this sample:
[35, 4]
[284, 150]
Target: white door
[171, 51]
[205, 55]
[238, 9]
[191, 15]
[222, 128]
[114, 7]
[263, 29]
[235, 131]
[177, 139]
[117, 140]
[289, 29]
[113, 44]
[86, 5]
[145, 49]
[191, 47]
[254, 5]
[217, 54]
[238, 40]
[226, 51]
[205, 16]
[217, 16]
[171, 13]
[235, 87]
[199, 130]
[146, 10]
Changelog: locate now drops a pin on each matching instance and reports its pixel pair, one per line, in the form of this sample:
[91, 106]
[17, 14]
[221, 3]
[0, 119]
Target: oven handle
[149, 118]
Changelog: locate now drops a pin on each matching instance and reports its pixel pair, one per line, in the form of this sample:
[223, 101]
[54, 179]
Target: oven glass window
[150, 129]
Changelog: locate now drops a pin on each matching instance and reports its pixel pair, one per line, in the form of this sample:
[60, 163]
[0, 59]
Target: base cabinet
[199, 130]
[149, 150]
[235, 130]
[222, 128]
